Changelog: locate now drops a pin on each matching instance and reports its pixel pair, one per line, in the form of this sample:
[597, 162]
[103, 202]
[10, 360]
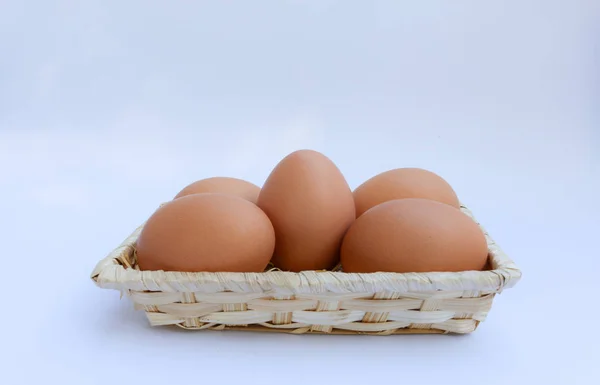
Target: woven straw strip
[381, 306]
[378, 316]
[190, 310]
[384, 328]
[283, 315]
[293, 325]
[456, 301]
[428, 306]
[238, 317]
[373, 327]
[161, 319]
[466, 305]
[281, 305]
[461, 326]
[155, 298]
[437, 294]
[332, 296]
[465, 312]
[413, 316]
[189, 298]
[235, 307]
[335, 331]
[211, 313]
[324, 310]
[227, 297]
[469, 305]
[389, 332]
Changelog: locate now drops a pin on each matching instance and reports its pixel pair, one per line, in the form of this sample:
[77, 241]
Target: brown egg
[206, 232]
[224, 185]
[310, 205]
[413, 235]
[403, 183]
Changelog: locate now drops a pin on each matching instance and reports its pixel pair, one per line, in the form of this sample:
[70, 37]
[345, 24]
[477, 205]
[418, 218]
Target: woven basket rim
[114, 272]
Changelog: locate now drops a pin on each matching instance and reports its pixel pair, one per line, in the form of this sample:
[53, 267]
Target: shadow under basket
[325, 302]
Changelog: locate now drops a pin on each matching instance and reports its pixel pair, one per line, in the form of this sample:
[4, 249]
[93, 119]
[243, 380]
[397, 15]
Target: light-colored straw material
[330, 302]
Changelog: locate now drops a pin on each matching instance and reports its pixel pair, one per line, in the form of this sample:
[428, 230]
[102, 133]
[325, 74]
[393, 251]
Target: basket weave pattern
[331, 302]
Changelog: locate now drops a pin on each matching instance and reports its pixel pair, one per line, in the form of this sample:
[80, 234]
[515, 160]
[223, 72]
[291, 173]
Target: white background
[108, 108]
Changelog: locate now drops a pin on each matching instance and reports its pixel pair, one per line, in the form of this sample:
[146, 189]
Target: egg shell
[206, 232]
[310, 205]
[403, 183]
[224, 185]
[413, 235]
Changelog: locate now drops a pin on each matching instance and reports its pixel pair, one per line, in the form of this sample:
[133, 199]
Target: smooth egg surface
[403, 183]
[206, 232]
[413, 235]
[311, 207]
[224, 185]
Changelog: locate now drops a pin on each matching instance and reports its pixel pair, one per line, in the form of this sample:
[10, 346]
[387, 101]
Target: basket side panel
[382, 313]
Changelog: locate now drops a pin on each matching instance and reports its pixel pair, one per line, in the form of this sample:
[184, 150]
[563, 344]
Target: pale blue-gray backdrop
[108, 108]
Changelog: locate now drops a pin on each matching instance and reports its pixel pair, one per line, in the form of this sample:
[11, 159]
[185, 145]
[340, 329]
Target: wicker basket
[330, 302]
